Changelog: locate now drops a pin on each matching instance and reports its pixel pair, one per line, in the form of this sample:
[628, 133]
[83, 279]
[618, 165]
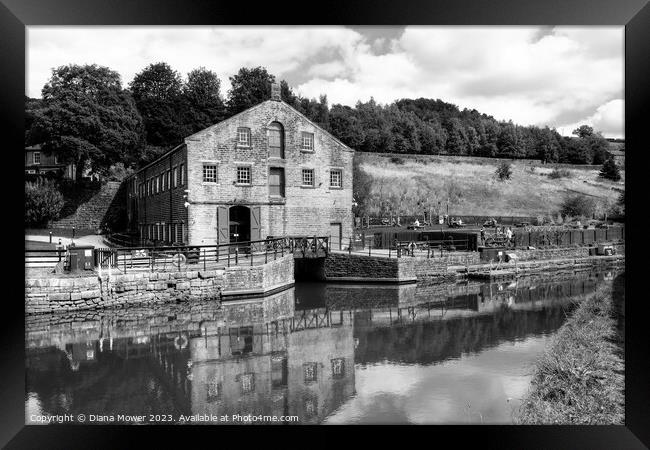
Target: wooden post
[236, 255]
[228, 256]
[204, 259]
[349, 246]
[369, 247]
[251, 248]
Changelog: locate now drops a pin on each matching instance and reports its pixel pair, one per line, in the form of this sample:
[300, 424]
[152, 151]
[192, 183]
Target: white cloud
[608, 119]
[532, 75]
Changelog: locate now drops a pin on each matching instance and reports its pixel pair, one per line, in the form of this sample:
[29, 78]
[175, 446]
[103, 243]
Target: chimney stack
[275, 92]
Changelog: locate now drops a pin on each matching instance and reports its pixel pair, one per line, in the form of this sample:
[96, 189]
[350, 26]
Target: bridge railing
[205, 257]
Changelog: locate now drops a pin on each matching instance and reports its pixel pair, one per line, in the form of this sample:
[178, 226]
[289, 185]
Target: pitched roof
[274, 102]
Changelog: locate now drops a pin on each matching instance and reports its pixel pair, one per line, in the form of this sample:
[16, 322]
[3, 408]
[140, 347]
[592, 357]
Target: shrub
[504, 171]
[397, 160]
[43, 202]
[117, 172]
[578, 205]
[559, 173]
[610, 170]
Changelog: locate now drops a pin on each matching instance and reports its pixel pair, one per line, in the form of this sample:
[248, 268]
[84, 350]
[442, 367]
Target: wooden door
[336, 236]
[223, 222]
[256, 228]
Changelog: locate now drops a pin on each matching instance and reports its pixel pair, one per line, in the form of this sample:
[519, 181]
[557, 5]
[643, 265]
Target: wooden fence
[565, 238]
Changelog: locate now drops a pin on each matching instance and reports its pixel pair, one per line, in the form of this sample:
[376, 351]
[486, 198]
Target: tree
[43, 202]
[503, 172]
[578, 205]
[203, 105]
[508, 141]
[87, 118]
[610, 170]
[583, 131]
[249, 88]
[157, 91]
[456, 138]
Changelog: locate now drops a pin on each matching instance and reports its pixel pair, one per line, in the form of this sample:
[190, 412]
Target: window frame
[303, 171]
[182, 174]
[340, 172]
[247, 133]
[248, 168]
[282, 172]
[175, 176]
[302, 142]
[34, 158]
[276, 126]
[210, 165]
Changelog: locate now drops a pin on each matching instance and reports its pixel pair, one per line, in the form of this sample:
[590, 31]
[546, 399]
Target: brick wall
[155, 199]
[303, 211]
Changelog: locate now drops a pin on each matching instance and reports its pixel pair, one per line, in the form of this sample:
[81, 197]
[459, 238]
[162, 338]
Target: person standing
[482, 236]
[508, 236]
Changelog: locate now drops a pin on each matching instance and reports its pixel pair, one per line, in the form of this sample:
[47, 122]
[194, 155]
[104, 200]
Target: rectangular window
[150, 187]
[247, 383]
[182, 174]
[243, 175]
[244, 136]
[162, 183]
[157, 179]
[209, 173]
[36, 157]
[338, 368]
[307, 141]
[168, 179]
[307, 177]
[310, 371]
[276, 181]
[175, 176]
[336, 178]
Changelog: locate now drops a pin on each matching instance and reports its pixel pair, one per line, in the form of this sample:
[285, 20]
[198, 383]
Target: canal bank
[49, 293]
[579, 379]
[59, 293]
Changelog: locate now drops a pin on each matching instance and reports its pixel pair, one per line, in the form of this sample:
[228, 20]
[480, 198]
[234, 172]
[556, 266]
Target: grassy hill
[411, 183]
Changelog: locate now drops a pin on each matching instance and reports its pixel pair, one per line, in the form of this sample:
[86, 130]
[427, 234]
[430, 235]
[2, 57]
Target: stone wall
[44, 295]
[257, 279]
[92, 207]
[304, 210]
[339, 266]
[551, 253]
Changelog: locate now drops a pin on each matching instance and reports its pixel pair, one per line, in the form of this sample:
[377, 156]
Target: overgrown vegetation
[43, 202]
[556, 174]
[382, 188]
[504, 171]
[610, 170]
[579, 378]
[578, 205]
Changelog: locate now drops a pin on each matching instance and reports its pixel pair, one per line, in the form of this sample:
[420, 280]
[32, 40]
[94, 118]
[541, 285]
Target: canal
[326, 353]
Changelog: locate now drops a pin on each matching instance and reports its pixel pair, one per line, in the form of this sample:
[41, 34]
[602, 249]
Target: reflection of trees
[431, 342]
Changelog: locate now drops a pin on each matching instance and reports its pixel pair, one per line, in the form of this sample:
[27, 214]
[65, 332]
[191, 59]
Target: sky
[559, 77]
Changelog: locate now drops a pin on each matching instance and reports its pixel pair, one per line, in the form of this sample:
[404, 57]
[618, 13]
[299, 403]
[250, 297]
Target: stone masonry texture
[316, 210]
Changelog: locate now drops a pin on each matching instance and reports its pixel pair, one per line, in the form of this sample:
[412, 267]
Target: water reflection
[322, 352]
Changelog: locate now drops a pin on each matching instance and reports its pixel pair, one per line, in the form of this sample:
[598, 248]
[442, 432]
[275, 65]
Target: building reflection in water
[274, 356]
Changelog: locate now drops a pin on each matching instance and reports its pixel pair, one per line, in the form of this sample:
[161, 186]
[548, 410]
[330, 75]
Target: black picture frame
[15, 15]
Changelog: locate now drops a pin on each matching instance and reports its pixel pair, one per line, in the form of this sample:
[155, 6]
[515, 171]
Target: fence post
[266, 253]
[251, 250]
[236, 255]
[203, 259]
[350, 247]
[369, 248]
[228, 256]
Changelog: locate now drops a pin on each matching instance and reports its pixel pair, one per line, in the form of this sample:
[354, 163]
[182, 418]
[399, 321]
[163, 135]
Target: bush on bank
[579, 378]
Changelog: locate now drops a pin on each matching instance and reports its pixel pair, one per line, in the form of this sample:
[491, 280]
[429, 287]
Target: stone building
[267, 171]
[38, 163]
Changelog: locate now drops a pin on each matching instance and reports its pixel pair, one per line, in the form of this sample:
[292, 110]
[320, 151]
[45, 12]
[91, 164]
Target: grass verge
[579, 378]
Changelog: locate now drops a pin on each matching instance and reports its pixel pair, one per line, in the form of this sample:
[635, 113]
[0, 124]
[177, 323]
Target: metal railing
[204, 257]
[43, 258]
[398, 249]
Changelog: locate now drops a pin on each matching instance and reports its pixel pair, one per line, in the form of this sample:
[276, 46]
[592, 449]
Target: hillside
[412, 183]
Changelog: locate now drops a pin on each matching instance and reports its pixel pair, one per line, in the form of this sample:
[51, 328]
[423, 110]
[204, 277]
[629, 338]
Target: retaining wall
[44, 295]
[342, 267]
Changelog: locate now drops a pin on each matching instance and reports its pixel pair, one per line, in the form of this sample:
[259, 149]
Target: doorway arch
[239, 221]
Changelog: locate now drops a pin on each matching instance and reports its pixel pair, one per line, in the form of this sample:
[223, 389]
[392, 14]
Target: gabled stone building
[267, 171]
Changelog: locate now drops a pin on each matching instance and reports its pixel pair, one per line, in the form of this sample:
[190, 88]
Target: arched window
[276, 140]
